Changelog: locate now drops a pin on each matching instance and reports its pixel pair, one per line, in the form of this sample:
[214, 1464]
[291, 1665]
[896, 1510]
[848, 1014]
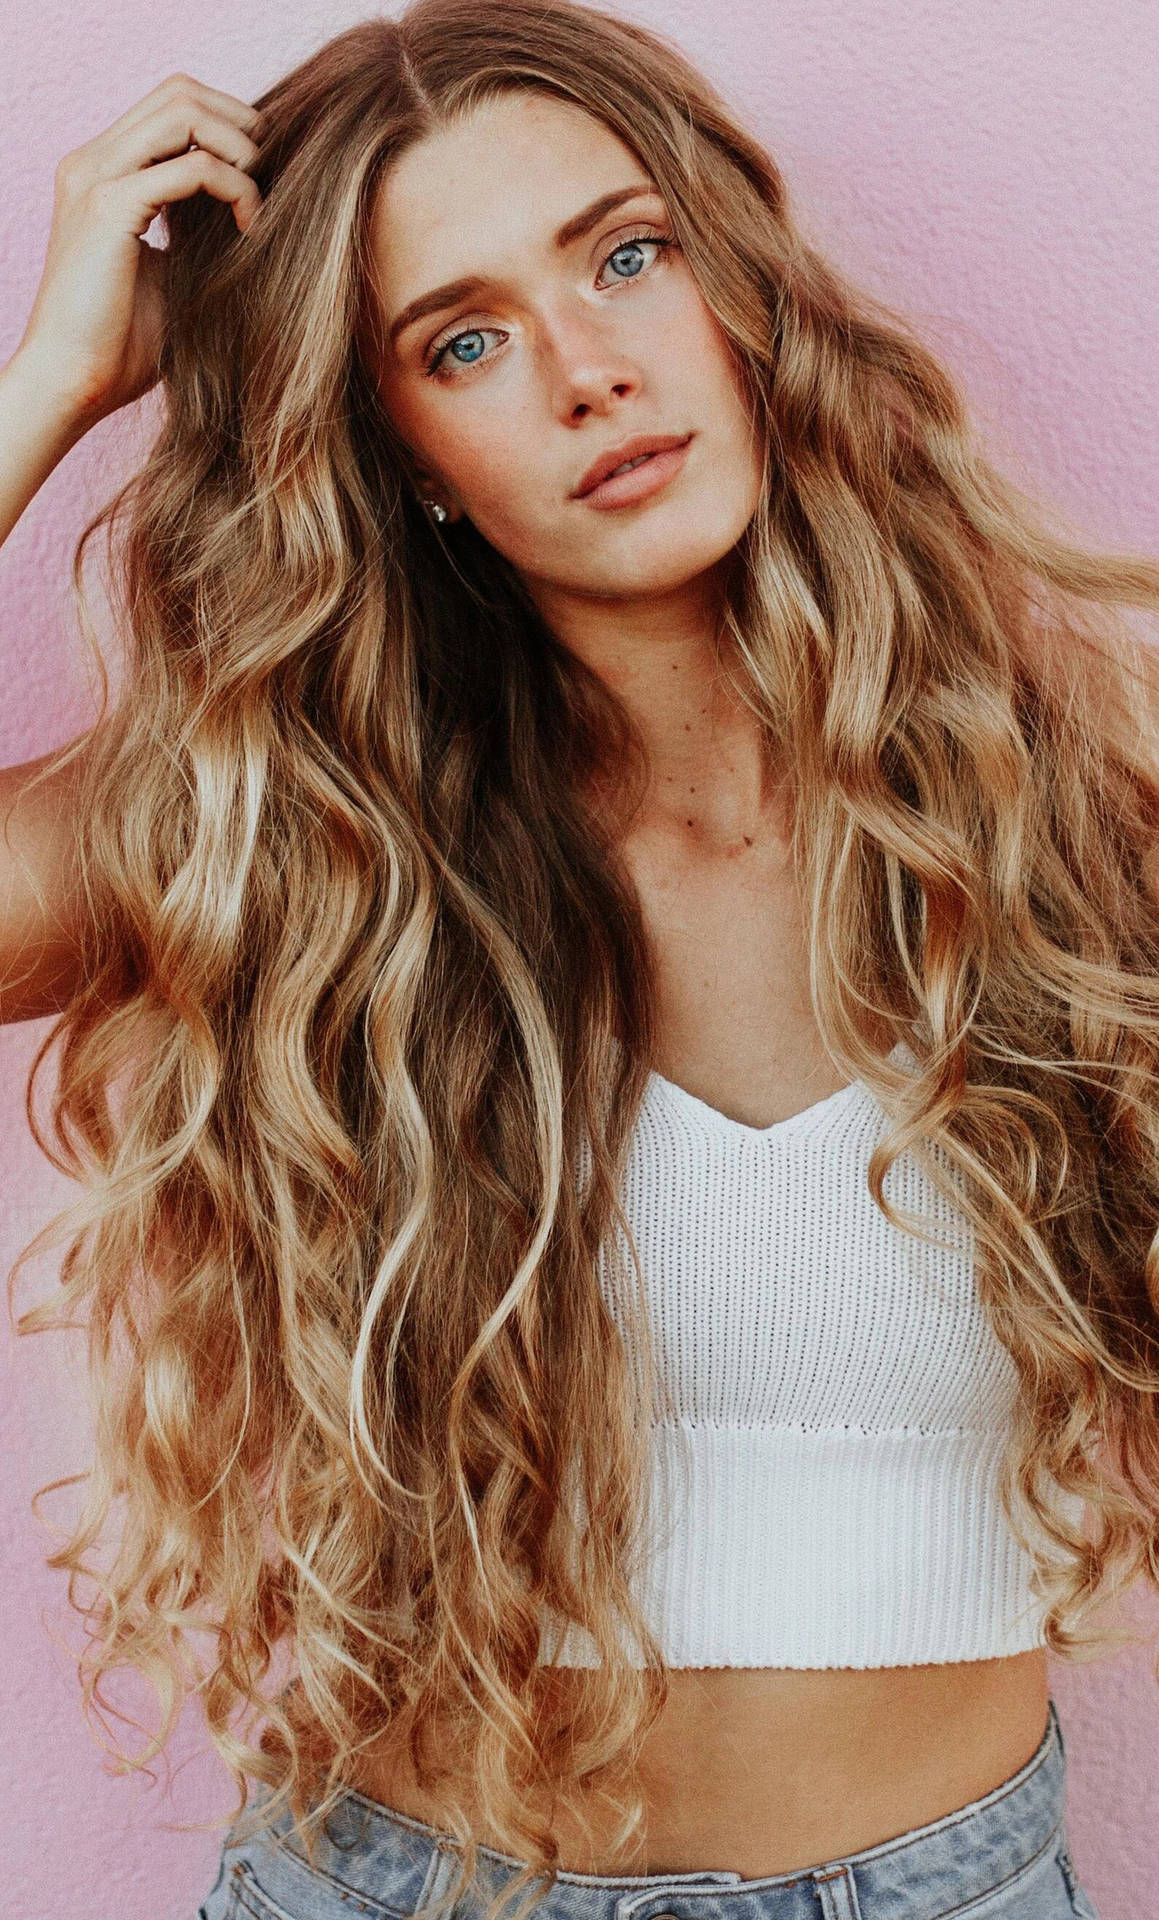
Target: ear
[429, 489]
[429, 485]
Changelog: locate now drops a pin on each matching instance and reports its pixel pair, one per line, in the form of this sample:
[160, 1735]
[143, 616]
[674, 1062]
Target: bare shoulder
[41, 900]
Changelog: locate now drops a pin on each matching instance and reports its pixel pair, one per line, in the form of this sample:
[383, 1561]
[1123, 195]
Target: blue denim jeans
[1004, 1857]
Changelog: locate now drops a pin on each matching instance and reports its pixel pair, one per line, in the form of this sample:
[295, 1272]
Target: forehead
[510, 172]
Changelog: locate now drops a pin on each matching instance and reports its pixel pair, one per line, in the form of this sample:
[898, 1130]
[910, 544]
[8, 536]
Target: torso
[768, 1770]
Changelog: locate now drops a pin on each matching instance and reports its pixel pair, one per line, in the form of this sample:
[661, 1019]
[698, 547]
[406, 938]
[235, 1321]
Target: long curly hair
[367, 1013]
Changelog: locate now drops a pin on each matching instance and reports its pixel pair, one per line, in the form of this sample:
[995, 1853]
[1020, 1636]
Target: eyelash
[434, 367]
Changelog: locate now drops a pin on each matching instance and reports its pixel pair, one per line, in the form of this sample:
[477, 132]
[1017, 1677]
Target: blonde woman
[607, 963]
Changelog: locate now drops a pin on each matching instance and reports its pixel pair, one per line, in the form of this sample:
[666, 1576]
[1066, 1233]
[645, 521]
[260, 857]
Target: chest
[778, 1293]
[729, 945]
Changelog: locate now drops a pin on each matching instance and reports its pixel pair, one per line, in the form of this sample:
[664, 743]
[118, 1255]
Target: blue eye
[633, 247]
[475, 334]
[629, 248]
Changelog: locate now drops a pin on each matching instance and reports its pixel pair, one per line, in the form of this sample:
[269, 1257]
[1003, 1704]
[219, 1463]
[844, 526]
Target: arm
[91, 346]
[41, 902]
[36, 431]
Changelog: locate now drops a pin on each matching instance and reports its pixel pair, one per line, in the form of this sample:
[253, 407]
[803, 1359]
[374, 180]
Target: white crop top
[843, 1398]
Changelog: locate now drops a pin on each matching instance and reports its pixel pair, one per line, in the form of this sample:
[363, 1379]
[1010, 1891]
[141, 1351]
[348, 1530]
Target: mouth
[634, 470]
[640, 448]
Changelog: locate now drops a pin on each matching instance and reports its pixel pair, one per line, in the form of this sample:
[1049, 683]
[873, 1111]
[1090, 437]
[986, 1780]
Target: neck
[662, 656]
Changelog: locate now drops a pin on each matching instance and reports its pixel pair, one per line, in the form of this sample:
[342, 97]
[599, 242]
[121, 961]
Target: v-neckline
[724, 1122]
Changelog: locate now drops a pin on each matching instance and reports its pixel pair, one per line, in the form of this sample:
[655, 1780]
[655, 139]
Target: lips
[630, 450]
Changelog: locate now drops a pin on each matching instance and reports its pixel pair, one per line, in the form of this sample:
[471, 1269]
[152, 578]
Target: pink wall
[991, 170]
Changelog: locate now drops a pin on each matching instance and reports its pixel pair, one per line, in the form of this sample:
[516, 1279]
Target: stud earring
[436, 510]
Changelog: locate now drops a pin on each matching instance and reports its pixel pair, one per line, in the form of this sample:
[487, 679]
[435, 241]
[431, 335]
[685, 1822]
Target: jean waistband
[401, 1864]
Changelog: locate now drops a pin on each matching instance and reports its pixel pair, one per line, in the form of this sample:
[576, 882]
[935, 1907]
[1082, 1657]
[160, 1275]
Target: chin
[656, 581]
[670, 561]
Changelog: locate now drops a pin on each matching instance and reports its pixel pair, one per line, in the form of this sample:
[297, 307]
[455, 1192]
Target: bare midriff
[768, 1770]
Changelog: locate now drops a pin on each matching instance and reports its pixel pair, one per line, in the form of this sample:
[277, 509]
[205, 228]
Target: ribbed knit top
[842, 1399]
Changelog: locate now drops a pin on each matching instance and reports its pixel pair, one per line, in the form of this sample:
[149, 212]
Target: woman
[623, 1245]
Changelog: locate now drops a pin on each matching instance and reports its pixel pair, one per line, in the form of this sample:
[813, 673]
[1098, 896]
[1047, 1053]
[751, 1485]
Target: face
[568, 345]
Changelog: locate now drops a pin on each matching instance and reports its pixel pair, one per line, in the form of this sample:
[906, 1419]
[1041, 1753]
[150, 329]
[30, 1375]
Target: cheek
[698, 379]
[507, 499]
[475, 450]
[482, 462]
[710, 353]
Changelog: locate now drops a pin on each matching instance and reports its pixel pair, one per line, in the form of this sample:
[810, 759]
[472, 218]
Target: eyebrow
[574, 229]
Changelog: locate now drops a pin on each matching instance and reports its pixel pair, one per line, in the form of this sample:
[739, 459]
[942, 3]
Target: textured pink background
[993, 172]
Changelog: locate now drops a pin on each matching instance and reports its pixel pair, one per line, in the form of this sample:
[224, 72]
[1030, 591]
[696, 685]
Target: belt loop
[441, 1871]
[838, 1894]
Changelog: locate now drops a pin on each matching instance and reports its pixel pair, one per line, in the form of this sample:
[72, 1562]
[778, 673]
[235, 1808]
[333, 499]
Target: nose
[592, 371]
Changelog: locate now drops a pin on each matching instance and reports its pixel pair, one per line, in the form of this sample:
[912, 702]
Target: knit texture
[841, 1399]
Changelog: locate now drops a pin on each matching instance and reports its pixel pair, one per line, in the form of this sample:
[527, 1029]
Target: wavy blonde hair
[367, 979]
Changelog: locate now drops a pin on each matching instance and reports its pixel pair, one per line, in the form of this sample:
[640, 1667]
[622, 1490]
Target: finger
[170, 131]
[143, 194]
[181, 86]
[165, 134]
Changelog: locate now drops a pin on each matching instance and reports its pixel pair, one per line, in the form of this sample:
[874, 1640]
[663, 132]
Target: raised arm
[91, 346]
[40, 905]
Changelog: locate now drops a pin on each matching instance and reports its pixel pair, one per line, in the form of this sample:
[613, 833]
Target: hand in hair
[96, 322]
